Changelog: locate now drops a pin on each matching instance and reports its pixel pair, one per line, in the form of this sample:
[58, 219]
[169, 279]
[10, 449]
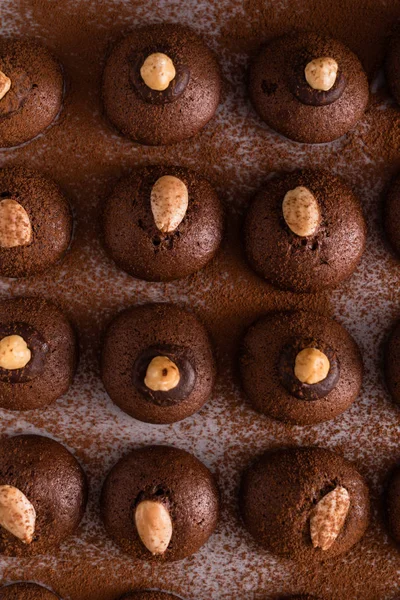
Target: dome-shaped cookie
[161, 84]
[308, 504]
[160, 503]
[300, 367]
[305, 231]
[157, 363]
[26, 591]
[31, 90]
[308, 87]
[35, 222]
[38, 353]
[392, 501]
[149, 595]
[43, 495]
[162, 223]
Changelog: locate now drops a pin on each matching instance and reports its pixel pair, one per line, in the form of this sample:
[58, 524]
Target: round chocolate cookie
[31, 90]
[26, 591]
[305, 231]
[148, 595]
[43, 495]
[304, 503]
[393, 504]
[310, 88]
[160, 503]
[392, 67]
[38, 353]
[300, 367]
[162, 223]
[35, 222]
[392, 365]
[157, 363]
[392, 215]
[161, 84]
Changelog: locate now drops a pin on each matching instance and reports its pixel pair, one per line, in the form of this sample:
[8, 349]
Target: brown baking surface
[237, 152]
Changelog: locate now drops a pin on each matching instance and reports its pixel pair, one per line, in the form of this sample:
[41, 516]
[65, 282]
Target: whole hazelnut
[158, 71]
[14, 352]
[169, 201]
[5, 84]
[311, 366]
[301, 211]
[321, 73]
[15, 225]
[154, 525]
[162, 374]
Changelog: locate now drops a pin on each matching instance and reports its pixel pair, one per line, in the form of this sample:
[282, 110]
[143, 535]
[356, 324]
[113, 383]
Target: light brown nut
[158, 71]
[169, 202]
[162, 374]
[154, 525]
[14, 352]
[328, 517]
[15, 225]
[311, 366]
[5, 84]
[321, 73]
[17, 514]
[301, 211]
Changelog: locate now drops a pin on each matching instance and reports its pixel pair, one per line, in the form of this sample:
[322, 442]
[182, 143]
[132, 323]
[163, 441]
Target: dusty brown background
[237, 152]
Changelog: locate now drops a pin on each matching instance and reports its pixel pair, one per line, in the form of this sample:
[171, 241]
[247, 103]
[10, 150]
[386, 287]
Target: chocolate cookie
[305, 231]
[310, 88]
[304, 503]
[392, 366]
[393, 504]
[31, 90]
[160, 503]
[148, 595]
[162, 223]
[43, 495]
[161, 84]
[392, 67]
[26, 591]
[392, 215]
[38, 353]
[300, 367]
[157, 363]
[35, 222]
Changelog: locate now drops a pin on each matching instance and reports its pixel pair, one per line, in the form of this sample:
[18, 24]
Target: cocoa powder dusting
[237, 152]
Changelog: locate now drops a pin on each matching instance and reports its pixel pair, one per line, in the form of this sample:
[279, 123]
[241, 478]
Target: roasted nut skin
[175, 88]
[299, 87]
[305, 391]
[38, 347]
[178, 355]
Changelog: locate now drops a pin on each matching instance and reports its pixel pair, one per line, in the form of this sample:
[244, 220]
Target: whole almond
[154, 525]
[17, 514]
[301, 211]
[169, 202]
[15, 225]
[328, 517]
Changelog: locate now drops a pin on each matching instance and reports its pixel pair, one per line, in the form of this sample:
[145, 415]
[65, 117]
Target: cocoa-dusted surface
[236, 152]
[54, 482]
[26, 591]
[312, 263]
[59, 363]
[150, 595]
[264, 383]
[281, 63]
[392, 215]
[279, 491]
[392, 66]
[392, 367]
[138, 247]
[159, 124]
[51, 220]
[36, 94]
[392, 501]
[136, 330]
[168, 475]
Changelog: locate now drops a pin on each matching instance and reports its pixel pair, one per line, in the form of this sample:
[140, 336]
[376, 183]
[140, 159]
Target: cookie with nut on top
[157, 363]
[26, 591]
[300, 367]
[305, 231]
[308, 504]
[160, 503]
[31, 90]
[308, 87]
[43, 494]
[162, 223]
[161, 84]
[38, 353]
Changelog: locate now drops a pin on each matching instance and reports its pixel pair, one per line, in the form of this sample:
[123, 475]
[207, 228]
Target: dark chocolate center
[37, 345]
[300, 88]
